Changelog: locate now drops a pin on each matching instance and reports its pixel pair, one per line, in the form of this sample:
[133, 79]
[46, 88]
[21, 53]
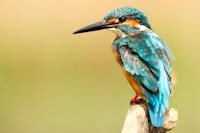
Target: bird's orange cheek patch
[112, 20]
[132, 23]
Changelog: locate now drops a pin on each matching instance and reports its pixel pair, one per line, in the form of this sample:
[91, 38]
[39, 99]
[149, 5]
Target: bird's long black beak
[96, 26]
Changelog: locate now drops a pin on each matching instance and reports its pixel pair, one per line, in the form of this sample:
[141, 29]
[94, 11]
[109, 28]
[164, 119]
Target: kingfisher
[143, 56]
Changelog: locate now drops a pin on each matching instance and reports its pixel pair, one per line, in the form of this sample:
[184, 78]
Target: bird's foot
[136, 100]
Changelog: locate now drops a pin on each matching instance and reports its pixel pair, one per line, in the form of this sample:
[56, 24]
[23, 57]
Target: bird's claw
[136, 100]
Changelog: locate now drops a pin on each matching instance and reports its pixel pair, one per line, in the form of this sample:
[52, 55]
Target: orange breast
[129, 77]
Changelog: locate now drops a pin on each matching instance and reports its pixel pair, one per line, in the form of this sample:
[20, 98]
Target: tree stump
[138, 121]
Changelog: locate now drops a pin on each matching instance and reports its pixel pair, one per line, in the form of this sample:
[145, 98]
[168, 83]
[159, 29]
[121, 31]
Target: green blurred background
[54, 82]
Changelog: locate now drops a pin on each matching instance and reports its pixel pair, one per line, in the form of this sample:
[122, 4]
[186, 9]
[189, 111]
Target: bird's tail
[157, 106]
[157, 116]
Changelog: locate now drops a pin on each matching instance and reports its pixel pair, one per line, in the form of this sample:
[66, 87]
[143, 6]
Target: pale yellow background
[54, 82]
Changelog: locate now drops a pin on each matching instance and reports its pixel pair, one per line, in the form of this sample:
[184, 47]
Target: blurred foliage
[54, 82]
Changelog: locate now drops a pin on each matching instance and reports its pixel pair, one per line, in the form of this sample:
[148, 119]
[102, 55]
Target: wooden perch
[138, 121]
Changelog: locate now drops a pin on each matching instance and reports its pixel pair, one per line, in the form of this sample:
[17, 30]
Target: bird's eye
[122, 19]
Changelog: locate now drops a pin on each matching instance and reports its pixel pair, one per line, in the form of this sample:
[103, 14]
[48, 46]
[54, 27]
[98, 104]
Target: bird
[144, 57]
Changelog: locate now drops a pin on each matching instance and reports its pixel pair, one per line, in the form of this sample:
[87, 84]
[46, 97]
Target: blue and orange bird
[143, 56]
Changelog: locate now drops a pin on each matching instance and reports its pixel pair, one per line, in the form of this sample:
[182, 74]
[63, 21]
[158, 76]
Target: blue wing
[146, 58]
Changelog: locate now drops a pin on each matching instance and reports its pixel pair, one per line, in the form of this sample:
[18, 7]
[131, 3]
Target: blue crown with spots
[130, 12]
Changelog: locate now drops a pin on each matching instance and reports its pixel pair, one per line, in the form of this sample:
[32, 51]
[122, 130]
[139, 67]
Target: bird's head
[125, 21]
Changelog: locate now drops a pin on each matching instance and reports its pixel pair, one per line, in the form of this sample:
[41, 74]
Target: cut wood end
[171, 118]
[138, 121]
